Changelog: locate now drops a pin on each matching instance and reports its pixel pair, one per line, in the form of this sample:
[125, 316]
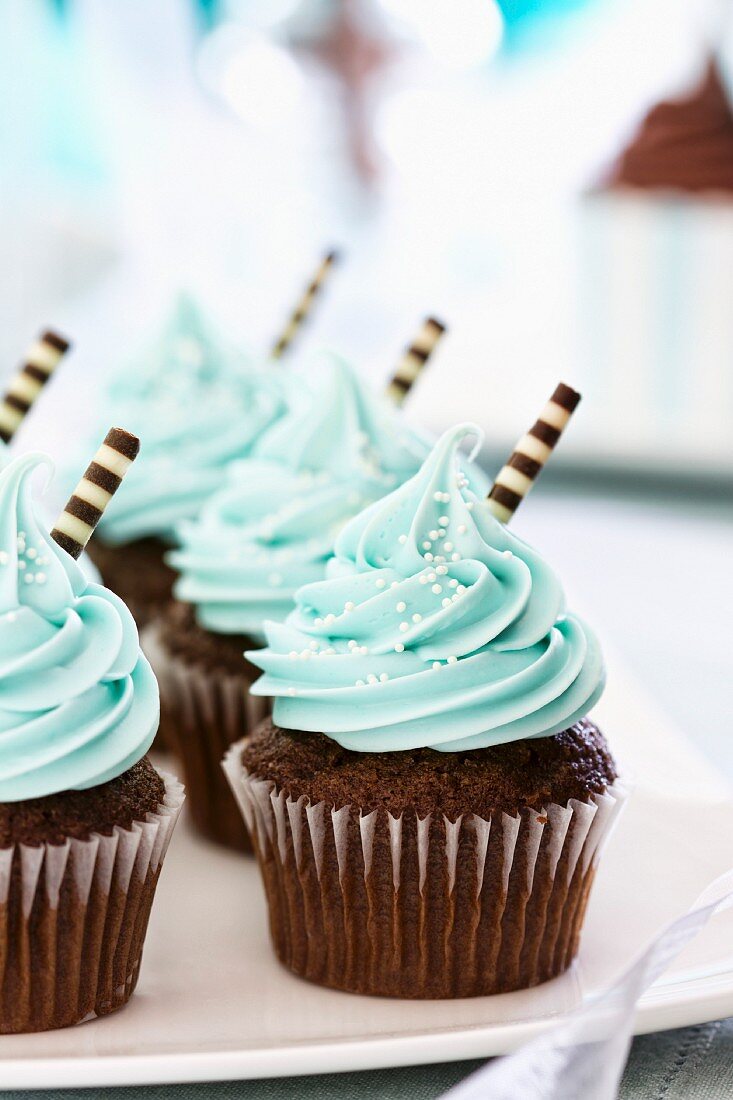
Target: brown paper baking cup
[73, 918]
[423, 908]
[204, 711]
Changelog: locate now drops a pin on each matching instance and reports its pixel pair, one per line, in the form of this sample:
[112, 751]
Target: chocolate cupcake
[85, 819]
[656, 268]
[429, 803]
[269, 530]
[197, 405]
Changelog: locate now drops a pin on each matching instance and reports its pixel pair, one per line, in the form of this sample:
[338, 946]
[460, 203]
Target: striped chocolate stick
[413, 361]
[42, 358]
[531, 453]
[102, 479]
[304, 306]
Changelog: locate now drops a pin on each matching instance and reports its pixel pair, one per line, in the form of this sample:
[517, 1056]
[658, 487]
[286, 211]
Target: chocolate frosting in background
[683, 144]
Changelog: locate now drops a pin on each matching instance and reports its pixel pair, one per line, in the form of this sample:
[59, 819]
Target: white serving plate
[212, 1003]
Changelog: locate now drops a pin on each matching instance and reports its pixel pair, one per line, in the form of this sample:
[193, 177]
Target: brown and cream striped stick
[531, 453]
[304, 306]
[42, 358]
[85, 507]
[414, 359]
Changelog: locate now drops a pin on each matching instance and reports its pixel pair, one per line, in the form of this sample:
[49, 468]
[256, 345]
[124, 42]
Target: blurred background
[453, 149]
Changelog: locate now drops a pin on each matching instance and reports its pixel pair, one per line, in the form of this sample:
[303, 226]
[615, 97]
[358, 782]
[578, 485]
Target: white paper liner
[63, 884]
[560, 846]
[203, 713]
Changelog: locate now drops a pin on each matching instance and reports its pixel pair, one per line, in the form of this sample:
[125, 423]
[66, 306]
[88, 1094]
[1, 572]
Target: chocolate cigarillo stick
[304, 306]
[41, 360]
[102, 479]
[531, 453]
[413, 361]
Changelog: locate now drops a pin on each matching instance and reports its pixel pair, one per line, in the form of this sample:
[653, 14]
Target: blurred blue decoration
[533, 23]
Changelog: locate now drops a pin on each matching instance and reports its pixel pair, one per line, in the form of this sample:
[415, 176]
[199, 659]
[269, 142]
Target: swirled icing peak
[272, 528]
[683, 144]
[196, 406]
[435, 627]
[78, 701]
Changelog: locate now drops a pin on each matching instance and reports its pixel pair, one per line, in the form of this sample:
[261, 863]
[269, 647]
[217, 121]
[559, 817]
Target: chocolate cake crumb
[505, 778]
[77, 814]
[185, 638]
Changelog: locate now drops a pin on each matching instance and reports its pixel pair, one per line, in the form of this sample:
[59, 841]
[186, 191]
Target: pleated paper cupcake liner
[204, 712]
[73, 919]
[423, 907]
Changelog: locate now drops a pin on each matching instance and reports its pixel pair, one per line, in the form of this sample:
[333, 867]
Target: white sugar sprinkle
[442, 569]
[417, 617]
[21, 565]
[438, 496]
[508, 554]
[428, 557]
[371, 678]
[423, 579]
[462, 528]
[433, 535]
[383, 677]
[399, 648]
[441, 532]
[446, 601]
[426, 544]
[394, 584]
[349, 605]
[40, 578]
[437, 588]
[31, 552]
[436, 664]
[359, 684]
[455, 556]
[447, 546]
[381, 582]
[452, 660]
[404, 627]
[443, 521]
[401, 606]
[29, 578]
[452, 583]
[402, 539]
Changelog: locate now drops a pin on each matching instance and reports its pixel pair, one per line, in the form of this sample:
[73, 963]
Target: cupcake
[197, 406]
[269, 531]
[656, 268]
[429, 799]
[85, 819]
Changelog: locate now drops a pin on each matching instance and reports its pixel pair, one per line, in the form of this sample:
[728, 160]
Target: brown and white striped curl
[413, 361]
[86, 505]
[41, 360]
[304, 306]
[531, 453]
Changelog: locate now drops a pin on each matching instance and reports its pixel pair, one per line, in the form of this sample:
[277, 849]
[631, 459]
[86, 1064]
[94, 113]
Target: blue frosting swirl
[273, 527]
[435, 627]
[78, 701]
[196, 406]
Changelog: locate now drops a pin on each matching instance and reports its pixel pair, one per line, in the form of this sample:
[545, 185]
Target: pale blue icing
[273, 527]
[468, 648]
[78, 701]
[196, 406]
